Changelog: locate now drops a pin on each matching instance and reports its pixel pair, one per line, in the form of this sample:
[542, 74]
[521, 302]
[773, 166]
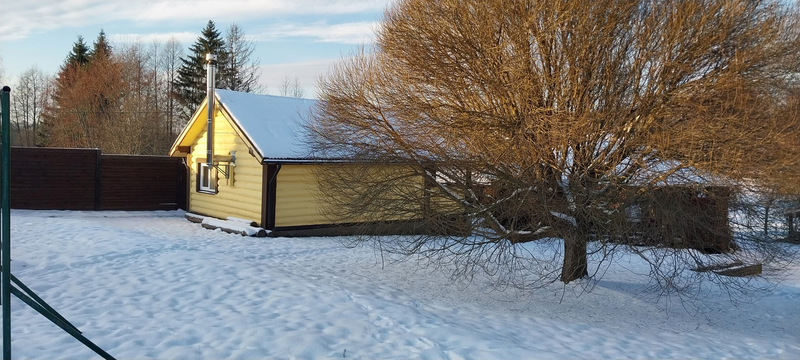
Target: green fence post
[5, 232]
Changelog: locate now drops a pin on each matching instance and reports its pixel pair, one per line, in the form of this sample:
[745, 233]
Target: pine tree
[79, 55]
[77, 58]
[190, 87]
[100, 48]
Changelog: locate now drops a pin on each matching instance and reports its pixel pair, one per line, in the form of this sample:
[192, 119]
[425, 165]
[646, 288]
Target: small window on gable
[206, 179]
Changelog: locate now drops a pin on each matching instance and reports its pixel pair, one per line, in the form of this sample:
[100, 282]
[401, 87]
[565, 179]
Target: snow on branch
[564, 217]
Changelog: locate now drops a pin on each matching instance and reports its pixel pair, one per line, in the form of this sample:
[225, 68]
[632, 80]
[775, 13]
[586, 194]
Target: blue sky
[293, 37]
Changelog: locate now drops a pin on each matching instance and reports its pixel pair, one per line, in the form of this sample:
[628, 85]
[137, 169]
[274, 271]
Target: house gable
[196, 127]
[237, 184]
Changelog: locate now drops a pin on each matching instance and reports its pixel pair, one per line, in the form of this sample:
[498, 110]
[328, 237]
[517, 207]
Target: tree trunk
[766, 217]
[575, 264]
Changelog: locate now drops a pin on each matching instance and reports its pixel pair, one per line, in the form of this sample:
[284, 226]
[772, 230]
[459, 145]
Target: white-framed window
[206, 179]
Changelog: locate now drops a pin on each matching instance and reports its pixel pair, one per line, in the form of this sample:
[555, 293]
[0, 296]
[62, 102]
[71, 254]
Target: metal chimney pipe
[211, 67]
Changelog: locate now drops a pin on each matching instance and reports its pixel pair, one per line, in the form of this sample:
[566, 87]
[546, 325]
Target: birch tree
[30, 97]
[2, 71]
[290, 86]
[244, 69]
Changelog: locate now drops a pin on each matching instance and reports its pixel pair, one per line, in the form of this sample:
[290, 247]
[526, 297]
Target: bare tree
[585, 126]
[118, 100]
[30, 97]
[86, 98]
[170, 63]
[243, 69]
[291, 87]
[139, 118]
[778, 191]
[2, 71]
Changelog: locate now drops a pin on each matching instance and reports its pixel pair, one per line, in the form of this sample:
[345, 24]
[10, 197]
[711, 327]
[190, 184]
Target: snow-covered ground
[147, 285]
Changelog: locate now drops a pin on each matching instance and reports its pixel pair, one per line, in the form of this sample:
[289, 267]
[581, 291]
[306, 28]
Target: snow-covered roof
[674, 173]
[271, 125]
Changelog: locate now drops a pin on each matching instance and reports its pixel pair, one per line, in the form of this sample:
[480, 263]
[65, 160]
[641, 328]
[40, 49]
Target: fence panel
[57, 179]
[83, 179]
[141, 183]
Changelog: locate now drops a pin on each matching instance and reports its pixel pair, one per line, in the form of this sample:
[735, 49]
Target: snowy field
[151, 285]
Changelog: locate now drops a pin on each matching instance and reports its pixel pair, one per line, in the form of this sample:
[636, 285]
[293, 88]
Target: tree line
[130, 97]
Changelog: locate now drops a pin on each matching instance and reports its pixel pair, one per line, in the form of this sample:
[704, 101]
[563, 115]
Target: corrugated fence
[85, 179]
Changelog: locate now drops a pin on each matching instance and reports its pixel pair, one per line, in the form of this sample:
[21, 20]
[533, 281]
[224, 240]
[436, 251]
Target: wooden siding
[296, 202]
[131, 182]
[239, 196]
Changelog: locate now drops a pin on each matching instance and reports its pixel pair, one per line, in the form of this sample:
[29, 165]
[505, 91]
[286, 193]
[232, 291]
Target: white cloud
[184, 37]
[231, 9]
[306, 72]
[348, 33]
[44, 15]
[21, 18]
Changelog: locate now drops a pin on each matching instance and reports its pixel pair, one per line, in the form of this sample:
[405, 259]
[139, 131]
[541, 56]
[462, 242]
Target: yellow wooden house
[262, 173]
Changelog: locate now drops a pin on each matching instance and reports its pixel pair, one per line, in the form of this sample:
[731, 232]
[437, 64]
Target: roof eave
[173, 150]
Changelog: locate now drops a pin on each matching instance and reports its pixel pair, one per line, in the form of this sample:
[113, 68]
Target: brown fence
[84, 179]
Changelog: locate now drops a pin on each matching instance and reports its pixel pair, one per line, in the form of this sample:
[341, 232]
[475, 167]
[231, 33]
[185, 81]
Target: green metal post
[49, 312]
[64, 326]
[26, 295]
[5, 232]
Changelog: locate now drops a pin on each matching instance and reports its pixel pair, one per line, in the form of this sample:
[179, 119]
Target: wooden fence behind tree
[85, 179]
